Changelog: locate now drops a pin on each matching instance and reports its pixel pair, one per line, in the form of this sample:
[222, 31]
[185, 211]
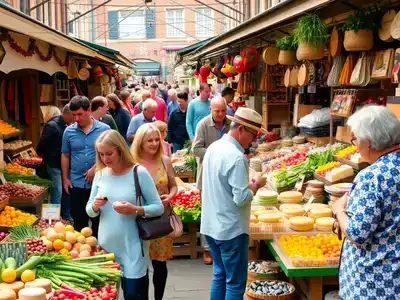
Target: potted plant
[311, 35]
[358, 30]
[287, 50]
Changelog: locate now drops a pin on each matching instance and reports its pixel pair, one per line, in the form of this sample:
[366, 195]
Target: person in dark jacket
[177, 133]
[99, 108]
[121, 116]
[49, 148]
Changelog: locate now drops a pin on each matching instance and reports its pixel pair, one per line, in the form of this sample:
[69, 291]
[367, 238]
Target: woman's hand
[340, 204]
[165, 199]
[98, 202]
[125, 208]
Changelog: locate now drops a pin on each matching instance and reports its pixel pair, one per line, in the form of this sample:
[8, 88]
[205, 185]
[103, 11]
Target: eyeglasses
[251, 131]
[353, 141]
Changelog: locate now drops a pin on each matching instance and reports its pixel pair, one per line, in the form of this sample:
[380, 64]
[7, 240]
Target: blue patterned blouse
[370, 269]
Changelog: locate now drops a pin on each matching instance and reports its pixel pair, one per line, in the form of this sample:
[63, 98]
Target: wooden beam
[218, 11]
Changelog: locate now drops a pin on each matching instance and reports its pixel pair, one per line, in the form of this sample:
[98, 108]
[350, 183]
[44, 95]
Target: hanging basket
[362, 40]
[308, 51]
[287, 57]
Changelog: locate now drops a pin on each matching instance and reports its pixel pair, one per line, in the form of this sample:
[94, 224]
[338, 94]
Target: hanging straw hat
[83, 74]
[249, 118]
[72, 70]
[97, 71]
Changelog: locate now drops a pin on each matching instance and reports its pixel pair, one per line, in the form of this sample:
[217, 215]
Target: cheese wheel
[270, 218]
[40, 283]
[321, 212]
[324, 224]
[260, 212]
[291, 197]
[315, 206]
[257, 207]
[7, 294]
[16, 286]
[315, 184]
[253, 219]
[32, 293]
[292, 210]
[301, 223]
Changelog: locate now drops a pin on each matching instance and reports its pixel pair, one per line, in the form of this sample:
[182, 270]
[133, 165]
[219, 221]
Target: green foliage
[286, 43]
[310, 28]
[364, 19]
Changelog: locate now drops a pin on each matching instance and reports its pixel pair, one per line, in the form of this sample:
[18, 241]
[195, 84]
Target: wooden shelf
[277, 104]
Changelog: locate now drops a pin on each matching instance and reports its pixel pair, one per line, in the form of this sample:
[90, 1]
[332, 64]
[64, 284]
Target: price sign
[311, 200]
[299, 183]
[25, 154]
[51, 211]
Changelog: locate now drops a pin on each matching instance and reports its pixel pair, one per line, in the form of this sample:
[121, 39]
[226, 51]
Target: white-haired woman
[370, 216]
[113, 196]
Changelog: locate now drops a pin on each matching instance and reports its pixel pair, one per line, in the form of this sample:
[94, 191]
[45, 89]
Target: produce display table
[309, 282]
[186, 176]
[186, 245]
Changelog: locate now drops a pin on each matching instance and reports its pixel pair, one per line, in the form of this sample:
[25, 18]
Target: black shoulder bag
[150, 228]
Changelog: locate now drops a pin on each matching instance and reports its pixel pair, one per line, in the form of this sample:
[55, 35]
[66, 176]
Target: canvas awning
[147, 68]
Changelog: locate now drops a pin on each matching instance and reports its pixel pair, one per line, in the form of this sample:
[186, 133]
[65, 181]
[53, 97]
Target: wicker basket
[253, 296]
[287, 57]
[308, 51]
[362, 40]
[253, 276]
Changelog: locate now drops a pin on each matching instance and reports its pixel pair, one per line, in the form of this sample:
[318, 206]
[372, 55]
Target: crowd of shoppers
[90, 152]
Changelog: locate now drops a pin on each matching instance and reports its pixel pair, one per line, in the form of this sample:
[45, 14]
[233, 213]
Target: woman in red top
[126, 99]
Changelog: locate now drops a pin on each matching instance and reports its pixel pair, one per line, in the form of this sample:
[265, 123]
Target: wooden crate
[186, 245]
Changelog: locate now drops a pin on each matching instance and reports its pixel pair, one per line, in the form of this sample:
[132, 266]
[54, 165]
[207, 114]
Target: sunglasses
[251, 131]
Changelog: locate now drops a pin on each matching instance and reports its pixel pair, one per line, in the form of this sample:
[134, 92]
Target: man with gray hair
[172, 101]
[146, 116]
[49, 148]
[209, 130]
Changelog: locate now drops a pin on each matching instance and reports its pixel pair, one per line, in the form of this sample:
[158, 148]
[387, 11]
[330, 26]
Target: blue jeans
[136, 289]
[56, 189]
[177, 147]
[230, 259]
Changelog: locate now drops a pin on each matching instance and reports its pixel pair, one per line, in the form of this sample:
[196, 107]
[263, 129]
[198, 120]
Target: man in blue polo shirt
[78, 159]
[146, 116]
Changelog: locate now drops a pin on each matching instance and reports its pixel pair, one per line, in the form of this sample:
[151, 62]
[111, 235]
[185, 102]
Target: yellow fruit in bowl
[67, 246]
[64, 252]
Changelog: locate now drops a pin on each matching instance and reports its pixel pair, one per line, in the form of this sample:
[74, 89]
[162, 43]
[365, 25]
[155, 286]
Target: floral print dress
[161, 249]
[370, 266]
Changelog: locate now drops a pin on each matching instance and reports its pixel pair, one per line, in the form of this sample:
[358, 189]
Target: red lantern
[204, 72]
[240, 64]
[250, 56]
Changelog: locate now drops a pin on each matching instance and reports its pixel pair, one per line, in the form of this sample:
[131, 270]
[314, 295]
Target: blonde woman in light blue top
[113, 196]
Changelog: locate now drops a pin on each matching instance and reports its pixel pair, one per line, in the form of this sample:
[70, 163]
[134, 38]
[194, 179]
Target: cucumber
[11, 263]
[2, 267]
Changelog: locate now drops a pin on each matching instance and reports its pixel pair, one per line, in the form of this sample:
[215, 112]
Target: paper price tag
[311, 200]
[299, 183]
[2, 178]
[51, 211]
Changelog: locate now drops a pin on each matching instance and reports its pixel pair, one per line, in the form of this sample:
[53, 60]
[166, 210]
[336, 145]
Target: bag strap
[138, 197]
[137, 186]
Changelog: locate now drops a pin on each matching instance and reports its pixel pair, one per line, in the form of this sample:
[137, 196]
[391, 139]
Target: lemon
[9, 275]
[28, 275]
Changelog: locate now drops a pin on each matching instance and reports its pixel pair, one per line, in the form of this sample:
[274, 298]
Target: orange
[9, 275]
[28, 275]
[58, 244]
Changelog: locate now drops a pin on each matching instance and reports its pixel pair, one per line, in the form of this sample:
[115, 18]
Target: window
[132, 24]
[175, 18]
[24, 6]
[257, 7]
[204, 22]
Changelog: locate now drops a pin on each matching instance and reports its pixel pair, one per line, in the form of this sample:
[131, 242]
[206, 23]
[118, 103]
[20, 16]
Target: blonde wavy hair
[162, 127]
[113, 138]
[140, 137]
[50, 112]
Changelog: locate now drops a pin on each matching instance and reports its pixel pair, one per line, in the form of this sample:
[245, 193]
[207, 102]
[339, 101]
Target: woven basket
[308, 51]
[287, 57]
[362, 40]
[253, 276]
[253, 296]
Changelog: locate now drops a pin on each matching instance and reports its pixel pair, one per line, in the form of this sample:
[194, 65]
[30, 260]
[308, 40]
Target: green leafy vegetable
[23, 231]
[364, 19]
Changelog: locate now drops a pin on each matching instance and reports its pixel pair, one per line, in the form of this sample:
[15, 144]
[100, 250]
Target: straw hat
[86, 65]
[249, 118]
[97, 71]
[83, 74]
